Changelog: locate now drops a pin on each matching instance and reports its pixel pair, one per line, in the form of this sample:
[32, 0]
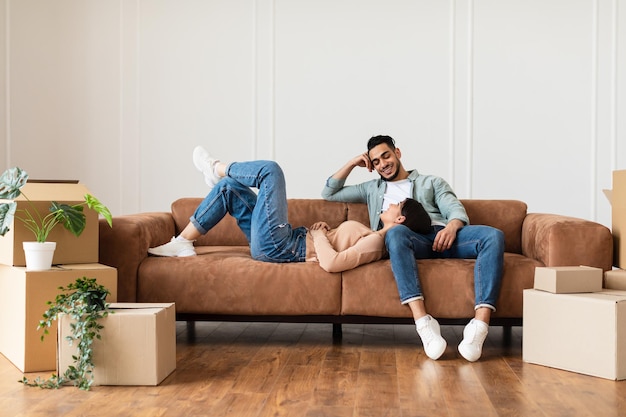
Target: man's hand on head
[363, 161]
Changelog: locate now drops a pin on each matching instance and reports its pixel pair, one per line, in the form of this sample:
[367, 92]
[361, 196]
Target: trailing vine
[85, 302]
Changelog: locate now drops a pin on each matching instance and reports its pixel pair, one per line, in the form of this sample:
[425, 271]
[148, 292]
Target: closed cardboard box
[615, 279]
[70, 249]
[584, 333]
[23, 300]
[137, 345]
[568, 279]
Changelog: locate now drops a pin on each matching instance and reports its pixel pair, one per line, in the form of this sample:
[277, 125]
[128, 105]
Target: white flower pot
[39, 255]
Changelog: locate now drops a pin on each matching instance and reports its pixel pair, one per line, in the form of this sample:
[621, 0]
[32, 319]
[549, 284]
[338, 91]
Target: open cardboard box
[70, 249]
[137, 345]
[23, 300]
[617, 198]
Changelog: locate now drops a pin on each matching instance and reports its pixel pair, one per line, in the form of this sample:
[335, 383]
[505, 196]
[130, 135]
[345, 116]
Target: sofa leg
[507, 335]
[337, 332]
[191, 330]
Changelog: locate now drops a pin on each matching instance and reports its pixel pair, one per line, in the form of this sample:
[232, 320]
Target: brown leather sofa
[224, 283]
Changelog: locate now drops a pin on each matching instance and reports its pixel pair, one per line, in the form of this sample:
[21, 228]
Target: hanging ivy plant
[85, 302]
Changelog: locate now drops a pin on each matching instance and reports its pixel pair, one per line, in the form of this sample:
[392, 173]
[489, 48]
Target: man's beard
[392, 177]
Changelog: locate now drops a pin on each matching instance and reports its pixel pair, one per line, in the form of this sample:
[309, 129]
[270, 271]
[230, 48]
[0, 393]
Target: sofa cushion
[448, 286]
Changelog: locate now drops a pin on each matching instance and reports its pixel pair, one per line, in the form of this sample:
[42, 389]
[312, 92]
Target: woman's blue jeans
[483, 243]
[262, 217]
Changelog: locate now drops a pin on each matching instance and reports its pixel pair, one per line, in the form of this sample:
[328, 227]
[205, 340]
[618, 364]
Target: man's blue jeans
[483, 243]
[262, 217]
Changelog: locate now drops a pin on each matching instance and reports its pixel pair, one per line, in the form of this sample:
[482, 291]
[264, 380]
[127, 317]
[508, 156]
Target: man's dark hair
[416, 217]
[377, 140]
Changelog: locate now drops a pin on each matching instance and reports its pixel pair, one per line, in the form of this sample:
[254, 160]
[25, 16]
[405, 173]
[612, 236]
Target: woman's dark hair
[416, 217]
[377, 140]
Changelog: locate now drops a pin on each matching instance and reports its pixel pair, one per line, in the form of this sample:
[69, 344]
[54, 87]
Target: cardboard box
[615, 279]
[568, 279]
[584, 333]
[23, 300]
[70, 249]
[618, 218]
[137, 345]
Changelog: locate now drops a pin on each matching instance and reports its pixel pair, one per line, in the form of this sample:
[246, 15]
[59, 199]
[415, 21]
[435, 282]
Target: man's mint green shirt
[435, 194]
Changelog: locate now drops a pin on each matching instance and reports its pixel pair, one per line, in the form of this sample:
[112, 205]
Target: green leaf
[7, 211]
[10, 183]
[95, 204]
[72, 217]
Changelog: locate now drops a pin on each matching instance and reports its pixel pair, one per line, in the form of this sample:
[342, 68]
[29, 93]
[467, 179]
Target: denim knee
[397, 237]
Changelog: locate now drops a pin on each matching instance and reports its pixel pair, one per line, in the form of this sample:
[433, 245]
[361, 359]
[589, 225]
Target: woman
[262, 217]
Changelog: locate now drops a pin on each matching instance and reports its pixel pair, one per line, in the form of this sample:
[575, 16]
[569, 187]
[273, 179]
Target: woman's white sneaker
[205, 163]
[174, 248]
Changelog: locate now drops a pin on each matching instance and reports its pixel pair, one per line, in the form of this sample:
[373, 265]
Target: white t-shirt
[396, 192]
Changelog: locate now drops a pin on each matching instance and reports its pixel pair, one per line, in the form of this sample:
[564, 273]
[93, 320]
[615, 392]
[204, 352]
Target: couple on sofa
[412, 216]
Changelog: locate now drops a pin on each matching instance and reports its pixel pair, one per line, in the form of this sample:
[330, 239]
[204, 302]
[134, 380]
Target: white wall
[505, 99]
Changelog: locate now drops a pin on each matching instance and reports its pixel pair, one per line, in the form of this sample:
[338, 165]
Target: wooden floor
[268, 369]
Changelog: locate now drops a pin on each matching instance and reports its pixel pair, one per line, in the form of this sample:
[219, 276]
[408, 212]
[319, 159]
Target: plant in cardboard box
[70, 216]
[85, 302]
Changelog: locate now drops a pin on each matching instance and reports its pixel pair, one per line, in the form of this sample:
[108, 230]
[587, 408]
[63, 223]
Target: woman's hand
[323, 226]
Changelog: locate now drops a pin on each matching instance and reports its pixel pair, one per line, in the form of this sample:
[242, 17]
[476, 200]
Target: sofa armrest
[558, 240]
[125, 245]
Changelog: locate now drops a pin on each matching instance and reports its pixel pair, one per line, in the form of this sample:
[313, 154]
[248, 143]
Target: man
[451, 236]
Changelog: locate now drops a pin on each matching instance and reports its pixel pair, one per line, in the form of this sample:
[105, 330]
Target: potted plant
[85, 302]
[70, 216]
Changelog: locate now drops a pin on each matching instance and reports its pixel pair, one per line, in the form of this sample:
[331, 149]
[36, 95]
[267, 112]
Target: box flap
[89, 266]
[39, 191]
[134, 306]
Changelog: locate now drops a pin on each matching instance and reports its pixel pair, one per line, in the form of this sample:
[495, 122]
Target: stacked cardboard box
[571, 323]
[615, 279]
[618, 218]
[138, 345]
[575, 317]
[24, 294]
[23, 300]
[70, 249]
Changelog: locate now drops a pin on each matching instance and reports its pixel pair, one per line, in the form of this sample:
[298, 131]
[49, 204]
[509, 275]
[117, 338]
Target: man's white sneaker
[430, 333]
[174, 248]
[205, 163]
[474, 334]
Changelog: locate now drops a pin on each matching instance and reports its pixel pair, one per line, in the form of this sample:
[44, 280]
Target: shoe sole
[468, 356]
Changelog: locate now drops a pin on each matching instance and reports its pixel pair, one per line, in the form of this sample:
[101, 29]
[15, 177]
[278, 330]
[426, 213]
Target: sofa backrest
[506, 215]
